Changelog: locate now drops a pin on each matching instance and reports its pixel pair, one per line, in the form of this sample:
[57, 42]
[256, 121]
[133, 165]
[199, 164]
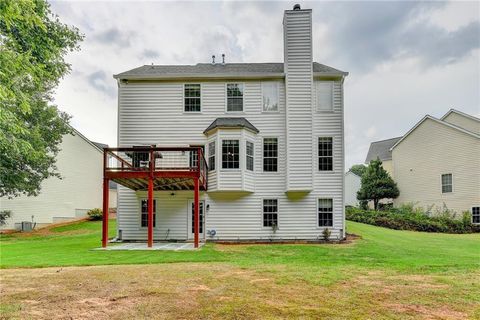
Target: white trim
[262, 212]
[278, 96]
[318, 155]
[253, 155]
[466, 115]
[441, 184]
[183, 99]
[471, 212]
[243, 98]
[239, 139]
[438, 121]
[278, 154]
[214, 155]
[333, 212]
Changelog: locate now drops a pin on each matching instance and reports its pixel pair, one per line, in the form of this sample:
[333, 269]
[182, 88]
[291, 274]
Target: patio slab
[168, 246]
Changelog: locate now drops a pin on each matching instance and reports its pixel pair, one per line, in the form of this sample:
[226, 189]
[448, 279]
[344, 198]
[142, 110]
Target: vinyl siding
[233, 213]
[80, 189]
[463, 122]
[299, 81]
[429, 151]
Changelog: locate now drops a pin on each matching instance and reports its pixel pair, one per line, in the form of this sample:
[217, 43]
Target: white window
[447, 185]
[230, 154]
[270, 213]
[234, 97]
[324, 96]
[192, 97]
[144, 220]
[270, 96]
[325, 153]
[211, 156]
[249, 154]
[270, 154]
[325, 212]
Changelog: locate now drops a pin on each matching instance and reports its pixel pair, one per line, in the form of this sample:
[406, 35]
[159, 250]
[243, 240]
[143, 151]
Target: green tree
[358, 169]
[377, 184]
[33, 44]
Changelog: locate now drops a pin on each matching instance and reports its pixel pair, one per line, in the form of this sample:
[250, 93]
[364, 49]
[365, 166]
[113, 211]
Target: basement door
[201, 229]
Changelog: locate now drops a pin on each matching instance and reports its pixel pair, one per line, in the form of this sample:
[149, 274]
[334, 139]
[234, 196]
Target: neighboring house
[79, 162]
[352, 185]
[381, 150]
[437, 163]
[272, 135]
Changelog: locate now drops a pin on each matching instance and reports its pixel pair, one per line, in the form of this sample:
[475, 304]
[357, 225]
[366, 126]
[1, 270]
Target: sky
[405, 59]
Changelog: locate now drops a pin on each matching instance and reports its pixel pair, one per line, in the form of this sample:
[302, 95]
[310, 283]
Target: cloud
[148, 53]
[114, 36]
[98, 80]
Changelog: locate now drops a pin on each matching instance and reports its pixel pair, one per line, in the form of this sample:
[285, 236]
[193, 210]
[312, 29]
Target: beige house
[80, 163]
[437, 163]
[381, 150]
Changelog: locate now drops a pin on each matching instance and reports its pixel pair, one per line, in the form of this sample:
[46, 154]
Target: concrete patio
[168, 246]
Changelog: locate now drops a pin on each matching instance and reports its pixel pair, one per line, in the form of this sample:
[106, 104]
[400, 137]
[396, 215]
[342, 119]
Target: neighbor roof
[219, 70]
[231, 123]
[460, 113]
[381, 149]
[100, 145]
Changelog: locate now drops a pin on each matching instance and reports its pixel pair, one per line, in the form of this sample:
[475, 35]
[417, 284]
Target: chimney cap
[297, 7]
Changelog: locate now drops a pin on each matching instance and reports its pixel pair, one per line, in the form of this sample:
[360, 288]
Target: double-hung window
[447, 183]
[325, 154]
[192, 97]
[211, 156]
[234, 97]
[270, 96]
[270, 154]
[324, 96]
[476, 215]
[230, 154]
[325, 212]
[144, 218]
[270, 212]
[249, 155]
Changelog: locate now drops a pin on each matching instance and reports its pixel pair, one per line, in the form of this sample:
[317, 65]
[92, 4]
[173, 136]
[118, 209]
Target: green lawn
[401, 250]
[387, 274]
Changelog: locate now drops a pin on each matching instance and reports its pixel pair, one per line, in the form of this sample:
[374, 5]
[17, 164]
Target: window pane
[325, 153]
[211, 156]
[144, 213]
[270, 154]
[192, 93]
[270, 212]
[230, 154]
[447, 183]
[249, 155]
[234, 97]
[270, 96]
[476, 215]
[325, 212]
[324, 96]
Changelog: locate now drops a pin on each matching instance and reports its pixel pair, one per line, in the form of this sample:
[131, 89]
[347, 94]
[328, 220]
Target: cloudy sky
[406, 59]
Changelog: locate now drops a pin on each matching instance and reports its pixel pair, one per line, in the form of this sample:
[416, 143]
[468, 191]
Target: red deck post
[150, 212]
[105, 213]
[196, 215]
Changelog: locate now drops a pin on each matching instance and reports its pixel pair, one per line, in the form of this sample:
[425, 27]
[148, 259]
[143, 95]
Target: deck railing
[157, 159]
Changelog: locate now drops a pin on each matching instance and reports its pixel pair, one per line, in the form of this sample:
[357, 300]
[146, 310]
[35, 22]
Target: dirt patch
[440, 312]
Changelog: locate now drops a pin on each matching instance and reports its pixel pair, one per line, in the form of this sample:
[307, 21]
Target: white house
[437, 163]
[271, 133]
[80, 164]
[352, 185]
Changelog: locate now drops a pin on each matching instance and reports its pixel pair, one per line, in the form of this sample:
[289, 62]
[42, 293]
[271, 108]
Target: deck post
[196, 215]
[105, 213]
[150, 212]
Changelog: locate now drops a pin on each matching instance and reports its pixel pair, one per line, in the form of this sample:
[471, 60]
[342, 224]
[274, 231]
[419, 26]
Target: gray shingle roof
[100, 145]
[209, 70]
[381, 149]
[231, 123]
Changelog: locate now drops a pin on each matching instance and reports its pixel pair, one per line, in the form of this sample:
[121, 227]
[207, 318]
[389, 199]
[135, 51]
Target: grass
[385, 274]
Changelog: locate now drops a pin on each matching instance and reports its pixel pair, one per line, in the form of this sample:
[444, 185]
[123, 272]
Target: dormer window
[234, 97]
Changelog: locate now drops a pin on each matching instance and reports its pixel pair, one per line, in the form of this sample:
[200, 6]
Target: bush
[407, 217]
[95, 214]
[4, 215]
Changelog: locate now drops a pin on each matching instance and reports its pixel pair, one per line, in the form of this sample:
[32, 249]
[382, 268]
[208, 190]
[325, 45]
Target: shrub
[4, 215]
[407, 217]
[326, 234]
[95, 214]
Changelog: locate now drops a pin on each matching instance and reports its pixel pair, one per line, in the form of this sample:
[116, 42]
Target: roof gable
[463, 114]
[381, 149]
[428, 117]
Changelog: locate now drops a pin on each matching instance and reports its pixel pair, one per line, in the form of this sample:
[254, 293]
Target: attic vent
[296, 7]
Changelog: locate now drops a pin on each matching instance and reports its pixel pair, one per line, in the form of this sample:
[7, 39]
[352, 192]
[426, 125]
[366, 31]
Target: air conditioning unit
[27, 226]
